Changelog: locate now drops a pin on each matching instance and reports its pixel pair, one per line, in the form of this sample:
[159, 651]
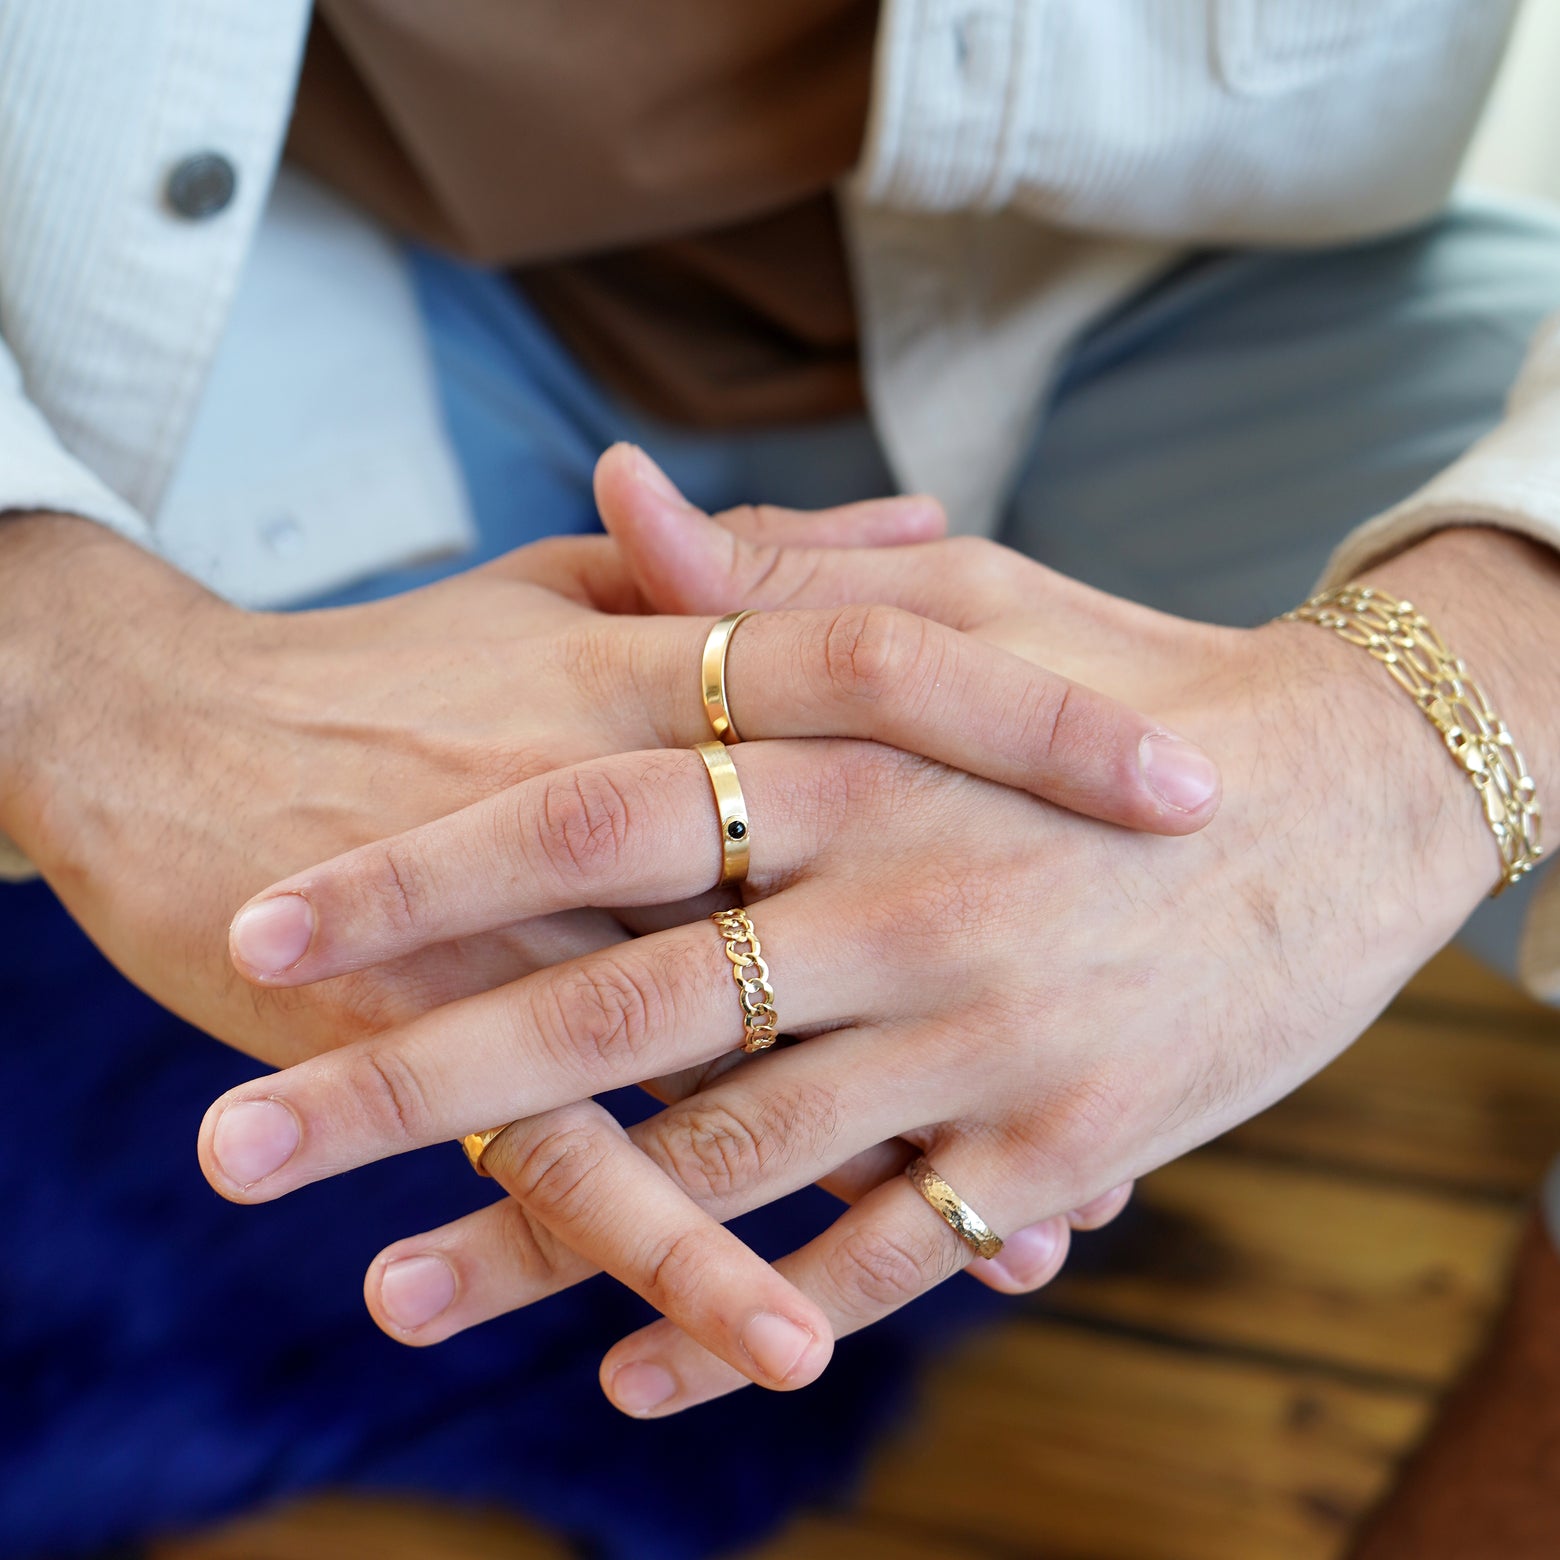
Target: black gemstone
[736, 830]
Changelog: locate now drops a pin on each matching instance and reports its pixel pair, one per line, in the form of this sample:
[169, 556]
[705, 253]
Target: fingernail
[636, 1389]
[775, 1345]
[414, 1290]
[254, 1139]
[1178, 772]
[1028, 1252]
[657, 480]
[273, 935]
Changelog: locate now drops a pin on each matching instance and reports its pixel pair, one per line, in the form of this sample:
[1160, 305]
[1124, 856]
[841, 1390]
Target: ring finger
[883, 1252]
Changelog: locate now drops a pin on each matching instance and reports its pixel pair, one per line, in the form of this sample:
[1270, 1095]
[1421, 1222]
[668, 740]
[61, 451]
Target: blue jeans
[166, 1358]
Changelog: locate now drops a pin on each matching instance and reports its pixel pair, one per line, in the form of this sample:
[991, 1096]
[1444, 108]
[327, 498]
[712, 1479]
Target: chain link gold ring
[760, 1026]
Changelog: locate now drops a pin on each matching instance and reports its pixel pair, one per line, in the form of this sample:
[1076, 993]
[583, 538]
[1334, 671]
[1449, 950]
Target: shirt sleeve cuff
[38, 473]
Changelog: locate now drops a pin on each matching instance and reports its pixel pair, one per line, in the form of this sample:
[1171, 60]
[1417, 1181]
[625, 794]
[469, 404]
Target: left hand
[1043, 1005]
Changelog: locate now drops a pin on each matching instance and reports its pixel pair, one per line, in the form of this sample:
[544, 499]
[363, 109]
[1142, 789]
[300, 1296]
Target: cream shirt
[248, 393]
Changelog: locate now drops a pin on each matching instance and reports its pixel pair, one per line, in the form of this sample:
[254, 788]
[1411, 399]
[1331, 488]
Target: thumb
[684, 561]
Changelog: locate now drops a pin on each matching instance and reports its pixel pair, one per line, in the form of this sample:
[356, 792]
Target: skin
[1045, 1005]
[163, 755]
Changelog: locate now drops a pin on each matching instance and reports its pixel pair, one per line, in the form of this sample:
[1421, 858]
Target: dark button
[202, 185]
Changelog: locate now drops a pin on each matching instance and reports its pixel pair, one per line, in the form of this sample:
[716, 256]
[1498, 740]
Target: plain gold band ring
[713, 675]
[476, 1144]
[962, 1219]
[734, 836]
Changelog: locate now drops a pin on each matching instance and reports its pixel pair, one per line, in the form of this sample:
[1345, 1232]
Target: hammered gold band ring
[476, 1144]
[760, 1026]
[962, 1219]
[734, 835]
[713, 676]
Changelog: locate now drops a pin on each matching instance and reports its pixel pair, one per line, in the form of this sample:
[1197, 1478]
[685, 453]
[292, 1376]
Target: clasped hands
[1011, 929]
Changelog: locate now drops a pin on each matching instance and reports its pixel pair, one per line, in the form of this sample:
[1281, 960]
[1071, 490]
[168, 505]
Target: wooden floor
[1236, 1374]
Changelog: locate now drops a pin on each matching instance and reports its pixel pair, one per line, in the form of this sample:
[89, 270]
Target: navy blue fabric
[168, 1358]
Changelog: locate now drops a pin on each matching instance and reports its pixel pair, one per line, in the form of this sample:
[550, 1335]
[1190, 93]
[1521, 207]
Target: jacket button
[201, 185]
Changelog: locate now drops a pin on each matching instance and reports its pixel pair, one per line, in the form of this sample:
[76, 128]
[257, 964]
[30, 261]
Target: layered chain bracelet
[1437, 681]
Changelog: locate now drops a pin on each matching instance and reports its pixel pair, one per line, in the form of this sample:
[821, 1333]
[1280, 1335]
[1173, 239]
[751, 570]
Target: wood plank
[1057, 1441]
[858, 1538]
[1368, 1277]
[1469, 1104]
[347, 1527]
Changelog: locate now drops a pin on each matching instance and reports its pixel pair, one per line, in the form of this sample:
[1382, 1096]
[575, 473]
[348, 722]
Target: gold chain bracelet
[1418, 659]
[760, 1025]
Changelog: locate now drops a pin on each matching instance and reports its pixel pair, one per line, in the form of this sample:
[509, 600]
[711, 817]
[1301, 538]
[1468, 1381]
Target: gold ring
[962, 1219]
[760, 1026]
[476, 1145]
[714, 675]
[734, 839]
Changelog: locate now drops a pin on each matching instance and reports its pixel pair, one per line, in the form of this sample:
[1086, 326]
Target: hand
[1044, 1006]
[166, 754]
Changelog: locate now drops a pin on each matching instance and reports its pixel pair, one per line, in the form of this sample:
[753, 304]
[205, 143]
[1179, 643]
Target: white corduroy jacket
[247, 392]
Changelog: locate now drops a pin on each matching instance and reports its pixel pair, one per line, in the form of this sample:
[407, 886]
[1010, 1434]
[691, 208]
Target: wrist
[82, 610]
[1494, 599]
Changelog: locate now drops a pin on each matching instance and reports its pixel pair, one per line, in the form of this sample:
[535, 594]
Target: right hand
[164, 755]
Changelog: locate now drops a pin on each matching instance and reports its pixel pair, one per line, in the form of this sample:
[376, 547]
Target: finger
[636, 829]
[890, 676]
[866, 672]
[687, 562]
[771, 1128]
[875, 664]
[625, 471]
[576, 1173]
[642, 1008]
[883, 1252]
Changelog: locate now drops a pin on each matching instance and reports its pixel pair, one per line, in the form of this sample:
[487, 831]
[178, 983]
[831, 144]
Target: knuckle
[976, 560]
[677, 1264]
[874, 1270]
[583, 823]
[719, 1150]
[711, 1151]
[395, 1095]
[1063, 724]
[397, 891]
[869, 650]
[554, 1168]
[608, 1012]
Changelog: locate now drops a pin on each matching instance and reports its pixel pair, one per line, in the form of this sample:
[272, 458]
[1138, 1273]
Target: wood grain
[1056, 1441]
[1315, 1266]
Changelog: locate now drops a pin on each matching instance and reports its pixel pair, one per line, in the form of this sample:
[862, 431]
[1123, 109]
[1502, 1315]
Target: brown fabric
[655, 172]
[1485, 1483]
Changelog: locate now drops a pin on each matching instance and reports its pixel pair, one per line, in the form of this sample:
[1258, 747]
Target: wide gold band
[713, 676]
[962, 1219]
[760, 1026]
[1418, 660]
[734, 836]
[476, 1144]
